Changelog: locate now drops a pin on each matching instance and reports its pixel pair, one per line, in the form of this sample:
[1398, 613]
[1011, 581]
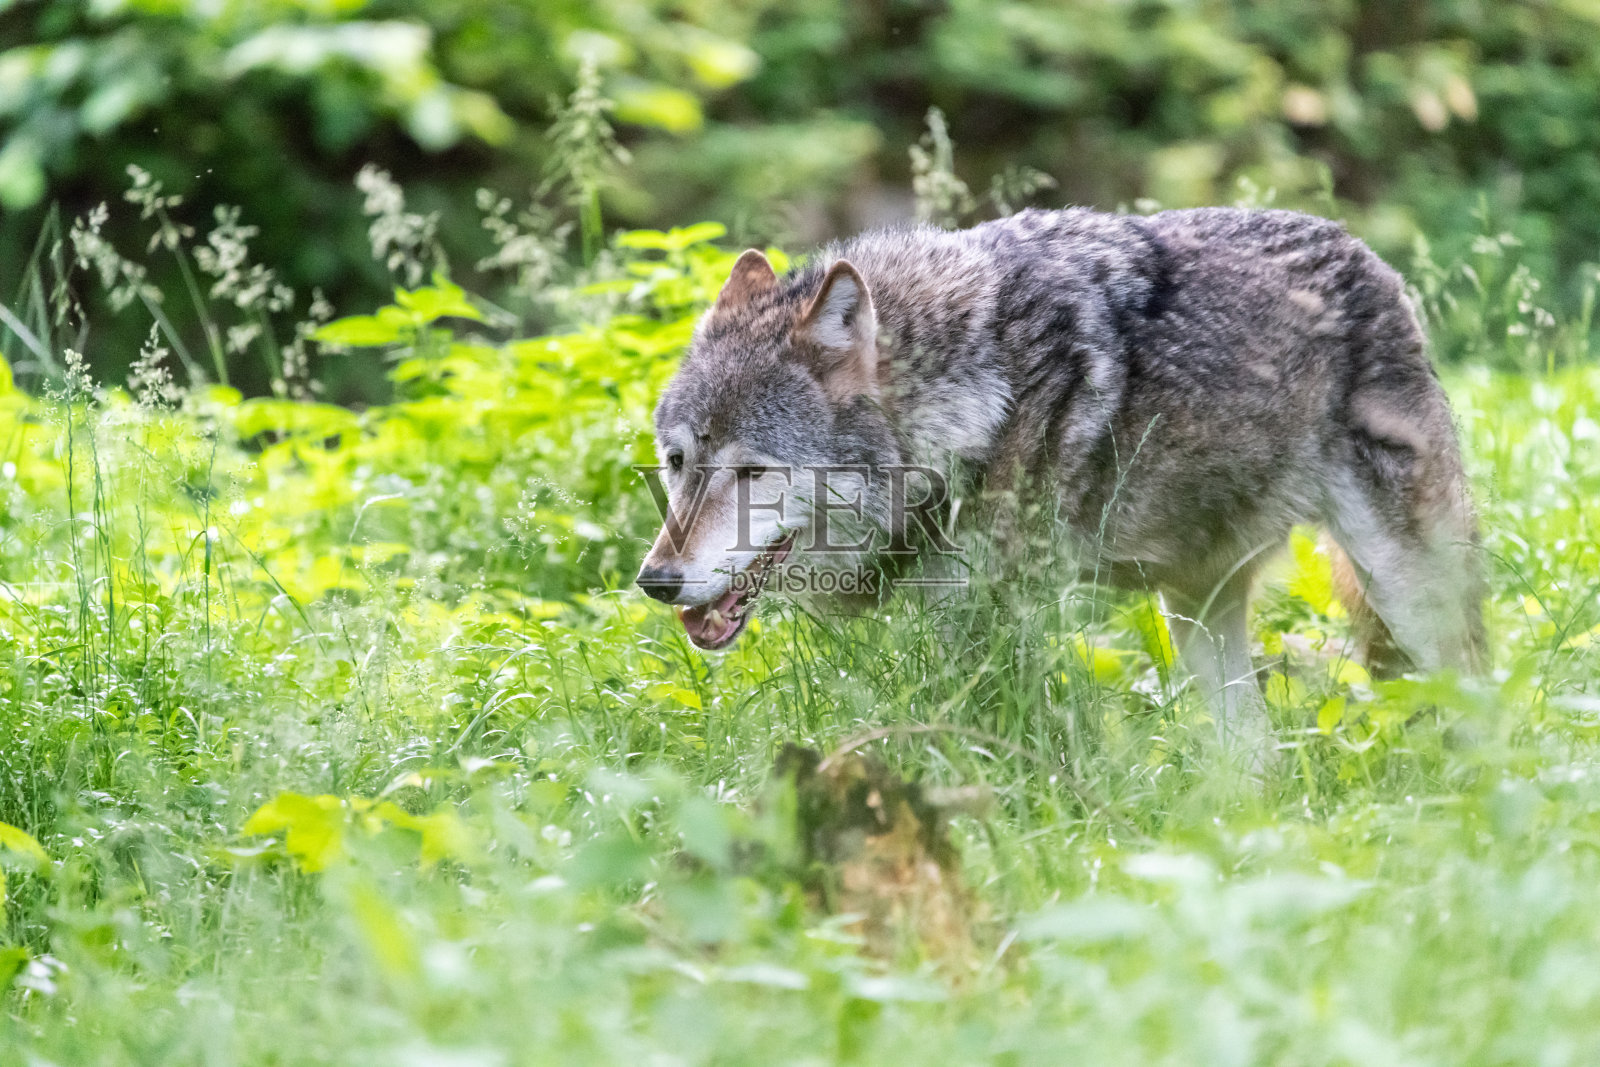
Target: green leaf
[719, 63]
[268, 414]
[21, 841]
[365, 331]
[386, 934]
[444, 835]
[661, 106]
[1283, 691]
[22, 178]
[313, 827]
[546, 795]
[703, 823]
[1105, 665]
[480, 113]
[12, 959]
[1090, 921]
[667, 691]
[889, 988]
[612, 860]
[1312, 577]
[438, 301]
[1584, 639]
[673, 240]
[1330, 715]
[765, 974]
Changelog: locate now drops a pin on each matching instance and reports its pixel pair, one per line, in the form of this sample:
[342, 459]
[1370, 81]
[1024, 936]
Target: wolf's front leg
[1213, 640]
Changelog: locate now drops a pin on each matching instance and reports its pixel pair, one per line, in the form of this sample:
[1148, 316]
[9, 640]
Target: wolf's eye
[675, 461]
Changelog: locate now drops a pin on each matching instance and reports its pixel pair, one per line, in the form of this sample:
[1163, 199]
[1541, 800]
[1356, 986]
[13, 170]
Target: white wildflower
[124, 279]
[149, 378]
[401, 240]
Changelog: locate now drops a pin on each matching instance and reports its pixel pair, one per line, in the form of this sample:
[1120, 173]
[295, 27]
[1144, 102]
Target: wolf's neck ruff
[1179, 389]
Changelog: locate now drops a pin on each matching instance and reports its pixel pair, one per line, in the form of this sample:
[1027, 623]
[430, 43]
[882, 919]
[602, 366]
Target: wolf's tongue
[712, 624]
[716, 624]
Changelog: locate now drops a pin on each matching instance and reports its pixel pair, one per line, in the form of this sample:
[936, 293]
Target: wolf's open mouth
[715, 625]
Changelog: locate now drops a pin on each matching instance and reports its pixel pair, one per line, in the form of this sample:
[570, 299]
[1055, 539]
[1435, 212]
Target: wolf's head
[769, 437]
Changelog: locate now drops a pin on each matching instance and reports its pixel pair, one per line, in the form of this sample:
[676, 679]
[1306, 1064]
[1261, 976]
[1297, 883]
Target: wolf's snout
[663, 583]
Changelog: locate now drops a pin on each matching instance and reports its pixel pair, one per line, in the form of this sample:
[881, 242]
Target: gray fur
[1184, 387]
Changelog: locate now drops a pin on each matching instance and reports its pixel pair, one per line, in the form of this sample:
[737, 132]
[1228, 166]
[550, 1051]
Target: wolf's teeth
[714, 617]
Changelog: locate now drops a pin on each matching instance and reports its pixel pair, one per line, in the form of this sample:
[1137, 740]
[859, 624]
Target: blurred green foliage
[790, 120]
[274, 106]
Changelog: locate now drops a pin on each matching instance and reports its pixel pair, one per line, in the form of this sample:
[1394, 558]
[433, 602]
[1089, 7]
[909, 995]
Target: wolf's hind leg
[1212, 635]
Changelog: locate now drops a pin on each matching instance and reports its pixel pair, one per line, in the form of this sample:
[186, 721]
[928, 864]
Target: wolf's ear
[751, 274]
[842, 323]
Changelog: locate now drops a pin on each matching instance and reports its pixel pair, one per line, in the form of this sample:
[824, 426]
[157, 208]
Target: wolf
[1178, 390]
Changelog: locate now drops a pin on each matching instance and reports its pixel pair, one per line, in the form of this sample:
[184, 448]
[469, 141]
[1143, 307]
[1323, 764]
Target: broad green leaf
[480, 114]
[1284, 691]
[387, 936]
[656, 240]
[890, 988]
[22, 176]
[12, 959]
[765, 974]
[611, 860]
[1346, 671]
[313, 827]
[1105, 665]
[1092, 921]
[661, 106]
[438, 301]
[444, 835]
[269, 414]
[22, 842]
[719, 63]
[1273, 900]
[1312, 576]
[1330, 715]
[546, 795]
[703, 823]
[667, 691]
[387, 327]
[674, 240]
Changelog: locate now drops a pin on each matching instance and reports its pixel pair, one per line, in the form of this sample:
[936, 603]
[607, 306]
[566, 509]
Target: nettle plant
[547, 429]
[179, 560]
[509, 456]
[502, 463]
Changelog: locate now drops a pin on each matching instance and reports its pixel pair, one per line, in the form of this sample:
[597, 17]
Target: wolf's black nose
[663, 583]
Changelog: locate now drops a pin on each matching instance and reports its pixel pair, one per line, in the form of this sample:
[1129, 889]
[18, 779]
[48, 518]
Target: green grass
[340, 752]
